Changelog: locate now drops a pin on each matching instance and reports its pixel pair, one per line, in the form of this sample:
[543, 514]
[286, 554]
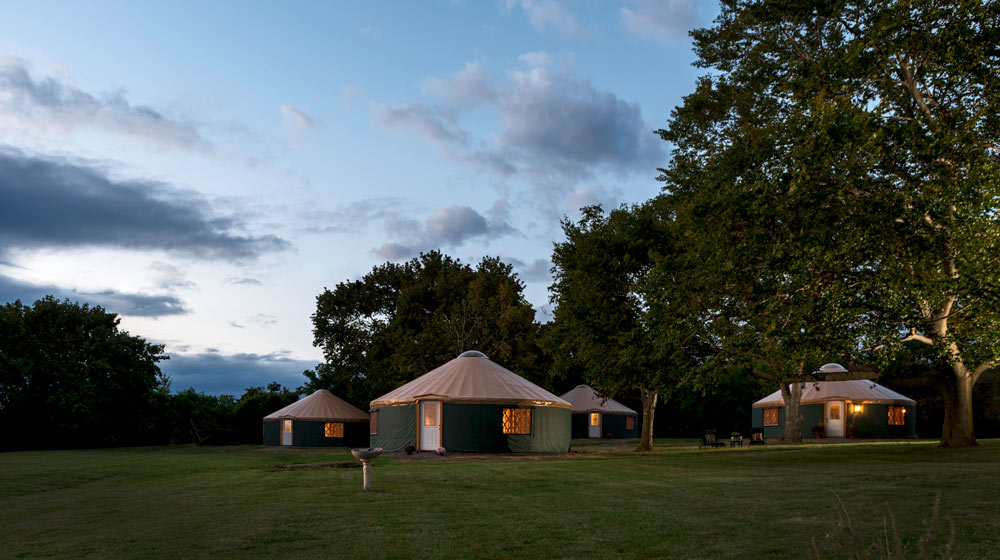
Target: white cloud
[450, 226]
[296, 118]
[665, 21]
[53, 104]
[543, 14]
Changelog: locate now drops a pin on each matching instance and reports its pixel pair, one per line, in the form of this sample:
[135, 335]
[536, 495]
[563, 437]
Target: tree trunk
[648, 409]
[957, 430]
[791, 393]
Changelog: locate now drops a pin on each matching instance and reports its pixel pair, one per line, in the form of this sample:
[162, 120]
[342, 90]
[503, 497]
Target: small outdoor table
[736, 441]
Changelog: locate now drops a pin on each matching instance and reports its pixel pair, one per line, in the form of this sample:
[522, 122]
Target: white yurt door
[595, 425]
[835, 419]
[430, 425]
[286, 432]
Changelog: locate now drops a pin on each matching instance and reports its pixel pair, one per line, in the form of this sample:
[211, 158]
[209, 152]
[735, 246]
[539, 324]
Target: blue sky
[205, 169]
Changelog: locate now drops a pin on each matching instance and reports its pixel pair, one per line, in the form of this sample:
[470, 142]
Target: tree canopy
[858, 141]
[402, 320]
[69, 376]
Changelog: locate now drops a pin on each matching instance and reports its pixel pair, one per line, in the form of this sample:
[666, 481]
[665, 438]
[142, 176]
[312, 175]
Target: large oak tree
[873, 126]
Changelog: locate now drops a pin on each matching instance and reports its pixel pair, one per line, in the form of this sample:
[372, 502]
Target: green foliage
[255, 404]
[402, 320]
[840, 166]
[69, 377]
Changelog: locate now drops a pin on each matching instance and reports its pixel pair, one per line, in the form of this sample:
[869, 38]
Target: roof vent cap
[832, 368]
[472, 354]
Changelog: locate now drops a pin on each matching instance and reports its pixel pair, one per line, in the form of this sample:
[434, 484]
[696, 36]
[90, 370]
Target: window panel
[373, 423]
[430, 414]
[770, 416]
[630, 422]
[517, 421]
[835, 411]
[288, 426]
[897, 416]
[595, 419]
[333, 429]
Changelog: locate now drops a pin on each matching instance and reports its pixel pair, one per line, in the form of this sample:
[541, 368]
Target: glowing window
[770, 416]
[288, 426]
[517, 421]
[630, 422]
[897, 416]
[373, 423]
[430, 414]
[834, 411]
[595, 419]
[333, 429]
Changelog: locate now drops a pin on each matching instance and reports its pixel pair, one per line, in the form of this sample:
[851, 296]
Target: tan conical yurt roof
[584, 399]
[471, 378]
[857, 390]
[321, 405]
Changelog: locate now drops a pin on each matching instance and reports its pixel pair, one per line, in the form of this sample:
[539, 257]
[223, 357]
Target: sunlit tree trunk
[648, 409]
[958, 429]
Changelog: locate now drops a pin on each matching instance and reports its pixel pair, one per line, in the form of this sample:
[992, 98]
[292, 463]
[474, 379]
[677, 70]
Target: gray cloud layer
[556, 128]
[47, 103]
[57, 203]
[447, 227]
[215, 373]
[139, 305]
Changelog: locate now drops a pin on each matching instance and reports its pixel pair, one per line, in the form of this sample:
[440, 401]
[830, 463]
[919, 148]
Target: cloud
[550, 13]
[216, 373]
[665, 21]
[297, 119]
[170, 277]
[50, 103]
[47, 202]
[122, 303]
[555, 128]
[535, 271]
[246, 281]
[356, 216]
[446, 227]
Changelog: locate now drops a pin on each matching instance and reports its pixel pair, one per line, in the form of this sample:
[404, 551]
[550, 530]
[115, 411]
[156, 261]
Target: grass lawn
[603, 501]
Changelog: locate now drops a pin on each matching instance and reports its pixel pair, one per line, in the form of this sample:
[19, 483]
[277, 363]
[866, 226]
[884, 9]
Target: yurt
[857, 408]
[597, 417]
[319, 420]
[471, 404]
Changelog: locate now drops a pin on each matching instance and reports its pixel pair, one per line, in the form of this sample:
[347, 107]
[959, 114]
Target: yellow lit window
[288, 426]
[334, 429]
[595, 419]
[430, 414]
[630, 422]
[897, 416]
[835, 411]
[517, 420]
[770, 416]
[373, 423]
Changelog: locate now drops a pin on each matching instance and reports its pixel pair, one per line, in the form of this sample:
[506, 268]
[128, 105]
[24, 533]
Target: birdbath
[366, 456]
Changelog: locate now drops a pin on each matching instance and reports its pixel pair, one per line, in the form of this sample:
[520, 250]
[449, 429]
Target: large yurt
[471, 404]
[319, 420]
[595, 416]
[856, 408]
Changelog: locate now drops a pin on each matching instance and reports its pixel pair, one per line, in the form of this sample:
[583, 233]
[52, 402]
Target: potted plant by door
[819, 430]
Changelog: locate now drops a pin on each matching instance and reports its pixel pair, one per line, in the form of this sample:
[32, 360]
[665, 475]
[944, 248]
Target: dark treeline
[70, 378]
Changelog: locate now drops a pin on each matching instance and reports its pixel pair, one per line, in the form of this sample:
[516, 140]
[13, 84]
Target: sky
[206, 169]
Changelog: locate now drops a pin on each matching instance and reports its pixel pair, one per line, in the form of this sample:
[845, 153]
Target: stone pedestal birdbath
[366, 456]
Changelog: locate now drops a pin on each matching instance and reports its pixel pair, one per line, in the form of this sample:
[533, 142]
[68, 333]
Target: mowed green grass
[602, 502]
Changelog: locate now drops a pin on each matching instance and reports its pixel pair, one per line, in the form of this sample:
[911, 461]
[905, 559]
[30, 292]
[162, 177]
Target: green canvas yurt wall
[319, 420]
[613, 418]
[483, 407]
[870, 410]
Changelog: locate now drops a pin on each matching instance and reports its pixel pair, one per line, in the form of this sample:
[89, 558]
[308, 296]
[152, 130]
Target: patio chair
[708, 440]
[757, 436]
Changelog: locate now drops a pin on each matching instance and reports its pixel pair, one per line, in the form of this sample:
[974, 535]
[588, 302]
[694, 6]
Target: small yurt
[597, 417]
[319, 420]
[471, 404]
[857, 408]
